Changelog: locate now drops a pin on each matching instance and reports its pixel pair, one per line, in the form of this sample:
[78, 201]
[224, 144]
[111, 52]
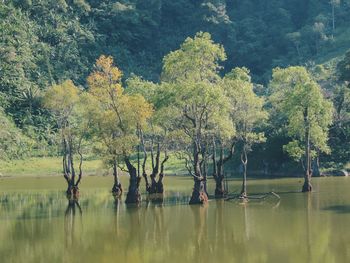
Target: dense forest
[268, 81]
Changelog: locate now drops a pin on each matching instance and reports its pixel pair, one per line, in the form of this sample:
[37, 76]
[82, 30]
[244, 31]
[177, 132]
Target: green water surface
[37, 224]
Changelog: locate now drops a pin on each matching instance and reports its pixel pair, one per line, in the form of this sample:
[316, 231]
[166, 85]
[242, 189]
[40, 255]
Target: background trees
[44, 43]
[13, 144]
[344, 68]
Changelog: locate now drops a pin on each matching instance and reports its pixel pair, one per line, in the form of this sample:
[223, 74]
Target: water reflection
[73, 208]
[200, 234]
[312, 227]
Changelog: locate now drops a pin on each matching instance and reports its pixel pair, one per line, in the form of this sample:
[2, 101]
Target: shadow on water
[340, 209]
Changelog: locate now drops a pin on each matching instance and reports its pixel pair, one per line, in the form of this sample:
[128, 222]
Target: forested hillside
[46, 42]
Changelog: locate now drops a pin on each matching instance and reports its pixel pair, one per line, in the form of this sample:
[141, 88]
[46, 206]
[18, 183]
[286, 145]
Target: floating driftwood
[253, 197]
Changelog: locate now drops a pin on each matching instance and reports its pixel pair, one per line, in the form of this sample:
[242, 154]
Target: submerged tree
[155, 136]
[247, 113]
[120, 118]
[191, 75]
[64, 102]
[307, 113]
[105, 88]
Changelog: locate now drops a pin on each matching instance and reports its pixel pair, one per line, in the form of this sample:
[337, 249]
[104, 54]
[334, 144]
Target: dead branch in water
[253, 197]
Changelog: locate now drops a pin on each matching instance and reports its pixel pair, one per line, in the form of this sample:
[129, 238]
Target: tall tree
[247, 113]
[125, 116]
[156, 136]
[63, 101]
[307, 113]
[192, 75]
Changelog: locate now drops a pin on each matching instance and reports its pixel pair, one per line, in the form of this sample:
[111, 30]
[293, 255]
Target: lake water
[38, 225]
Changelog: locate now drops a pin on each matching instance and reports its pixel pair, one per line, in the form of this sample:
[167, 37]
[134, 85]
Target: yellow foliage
[118, 114]
[105, 80]
[140, 109]
[61, 98]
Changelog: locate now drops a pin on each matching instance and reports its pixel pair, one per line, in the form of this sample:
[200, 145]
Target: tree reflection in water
[69, 223]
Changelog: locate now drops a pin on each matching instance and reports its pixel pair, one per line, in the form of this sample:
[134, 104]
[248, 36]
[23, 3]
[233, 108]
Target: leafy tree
[63, 100]
[120, 118]
[192, 75]
[247, 113]
[308, 115]
[156, 136]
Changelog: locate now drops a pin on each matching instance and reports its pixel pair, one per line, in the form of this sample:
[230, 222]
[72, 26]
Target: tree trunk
[220, 189]
[68, 169]
[117, 187]
[160, 187]
[218, 172]
[204, 171]
[199, 195]
[155, 171]
[244, 160]
[144, 173]
[307, 187]
[133, 195]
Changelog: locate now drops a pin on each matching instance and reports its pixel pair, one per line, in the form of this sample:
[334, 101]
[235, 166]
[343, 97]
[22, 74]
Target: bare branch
[122, 168]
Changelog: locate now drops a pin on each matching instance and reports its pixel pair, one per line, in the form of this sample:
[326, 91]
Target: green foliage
[191, 75]
[294, 149]
[44, 43]
[246, 108]
[13, 144]
[303, 106]
[116, 115]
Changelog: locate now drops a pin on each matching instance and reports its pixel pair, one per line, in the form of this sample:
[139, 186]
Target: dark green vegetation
[269, 83]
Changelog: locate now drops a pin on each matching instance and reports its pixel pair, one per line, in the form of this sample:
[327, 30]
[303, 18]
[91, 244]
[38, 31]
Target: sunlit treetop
[62, 98]
[105, 81]
[197, 60]
[246, 108]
